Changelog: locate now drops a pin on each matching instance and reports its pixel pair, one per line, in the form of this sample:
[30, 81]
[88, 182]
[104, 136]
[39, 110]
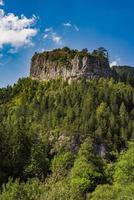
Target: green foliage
[32, 190]
[108, 192]
[85, 174]
[102, 56]
[68, 137]
[65, 54]
[62, 163]
[124, 73]
[123, 185]
[124, 166]
[38, 163]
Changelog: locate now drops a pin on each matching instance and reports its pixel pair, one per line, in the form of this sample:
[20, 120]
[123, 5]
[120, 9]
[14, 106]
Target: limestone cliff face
[43, 68]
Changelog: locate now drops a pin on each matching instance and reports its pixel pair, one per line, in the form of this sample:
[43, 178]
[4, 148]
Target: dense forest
[61, 141]
[124, 73]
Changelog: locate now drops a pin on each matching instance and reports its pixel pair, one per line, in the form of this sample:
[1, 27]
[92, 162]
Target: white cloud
[70, 25]
[1, 3]
[56, 38]
[45, 36]
[48, 29]
[76, 28]
[115, 62]
[16, 31]
[52, 35]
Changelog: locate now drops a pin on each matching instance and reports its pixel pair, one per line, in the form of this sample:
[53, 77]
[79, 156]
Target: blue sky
[48, 24]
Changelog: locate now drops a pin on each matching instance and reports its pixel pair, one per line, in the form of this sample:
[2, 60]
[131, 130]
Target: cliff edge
[70, 64]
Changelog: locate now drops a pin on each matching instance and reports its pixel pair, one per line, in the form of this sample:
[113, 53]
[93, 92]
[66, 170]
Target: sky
[29, 26]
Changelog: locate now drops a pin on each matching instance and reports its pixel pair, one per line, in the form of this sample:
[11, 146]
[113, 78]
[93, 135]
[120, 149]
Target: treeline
[61, 141]
[65, 54]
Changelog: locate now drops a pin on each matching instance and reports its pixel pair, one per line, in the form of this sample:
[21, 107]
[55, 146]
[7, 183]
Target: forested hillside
[67, 141]
[124, 73]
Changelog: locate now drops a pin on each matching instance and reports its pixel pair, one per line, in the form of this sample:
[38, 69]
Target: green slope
[61, 141]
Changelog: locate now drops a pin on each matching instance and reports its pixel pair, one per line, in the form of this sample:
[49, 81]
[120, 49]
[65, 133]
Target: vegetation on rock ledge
[66, 54]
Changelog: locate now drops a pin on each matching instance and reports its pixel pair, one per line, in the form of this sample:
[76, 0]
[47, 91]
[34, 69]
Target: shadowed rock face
[43, 68]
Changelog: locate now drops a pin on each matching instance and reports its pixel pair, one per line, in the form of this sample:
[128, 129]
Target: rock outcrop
[86, 66]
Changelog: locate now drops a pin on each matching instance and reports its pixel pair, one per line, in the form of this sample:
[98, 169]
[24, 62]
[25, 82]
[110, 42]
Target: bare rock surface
[44, 68]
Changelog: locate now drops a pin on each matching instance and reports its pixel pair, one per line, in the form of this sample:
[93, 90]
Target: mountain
[124, 73]
[67, 140]
[70, 64]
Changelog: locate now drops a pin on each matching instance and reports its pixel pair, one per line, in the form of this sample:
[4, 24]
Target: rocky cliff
[68, 64]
